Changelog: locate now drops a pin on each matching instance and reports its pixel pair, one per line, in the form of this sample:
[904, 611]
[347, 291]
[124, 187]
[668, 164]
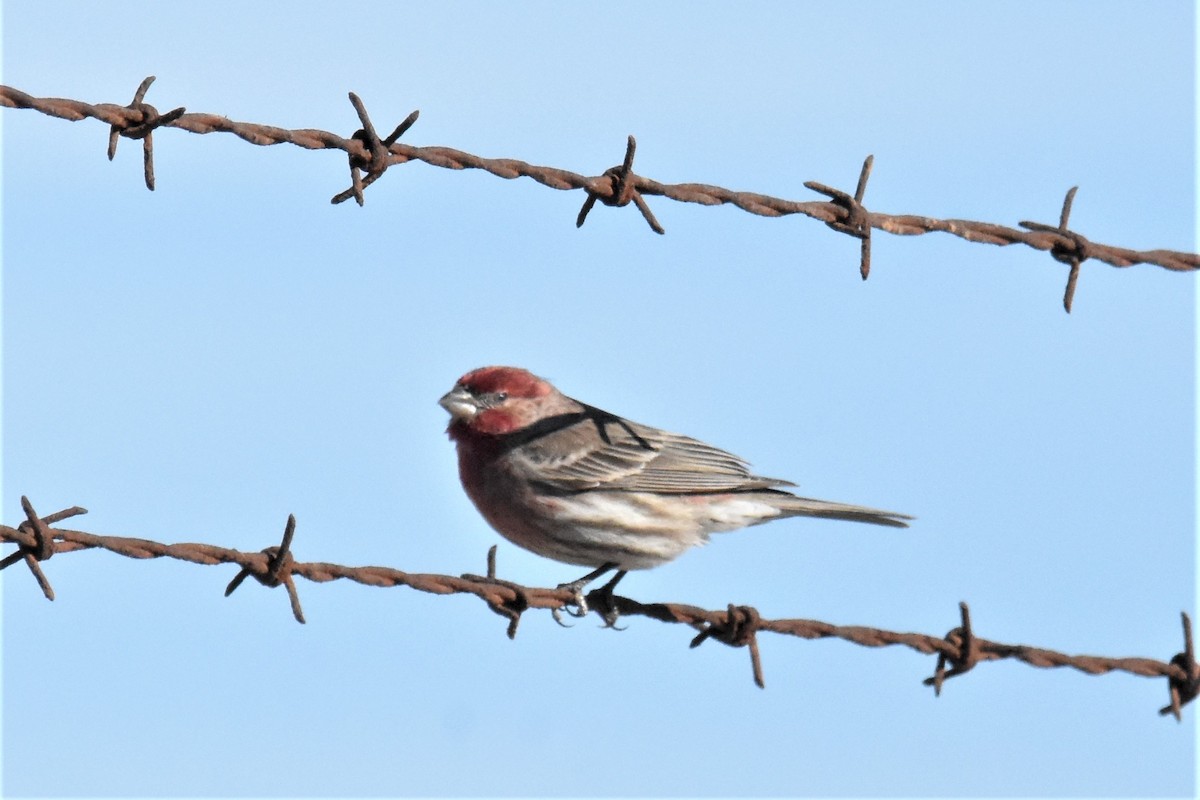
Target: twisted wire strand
[833, 212]
[509, 599]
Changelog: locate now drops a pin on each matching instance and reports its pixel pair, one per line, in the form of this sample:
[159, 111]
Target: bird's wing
[598, 450]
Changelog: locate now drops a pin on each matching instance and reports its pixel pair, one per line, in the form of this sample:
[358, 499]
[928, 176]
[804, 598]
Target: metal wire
[618, 186]
[369, 157]
[736, 626]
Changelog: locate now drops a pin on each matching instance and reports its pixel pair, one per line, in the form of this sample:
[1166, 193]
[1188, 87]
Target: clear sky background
[195, 363]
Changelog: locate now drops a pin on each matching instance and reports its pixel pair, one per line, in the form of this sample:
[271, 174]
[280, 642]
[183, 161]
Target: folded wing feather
[598, 450]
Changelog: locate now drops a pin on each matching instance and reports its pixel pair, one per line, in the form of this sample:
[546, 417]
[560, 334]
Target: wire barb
[1185, 688]
[276, 569]
[739, 628]
[1071, 249]
[736, 625]
[36, 542]
[617, 187]
[511, 608]
[375, 154]
[855, 220]
[148, 119]
[606, 186]
[964, 656]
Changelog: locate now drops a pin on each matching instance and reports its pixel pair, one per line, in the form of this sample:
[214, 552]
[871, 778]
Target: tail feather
[794, 506]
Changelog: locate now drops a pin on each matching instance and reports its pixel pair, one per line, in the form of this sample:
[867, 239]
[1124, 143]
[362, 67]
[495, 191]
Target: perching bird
[576, 484]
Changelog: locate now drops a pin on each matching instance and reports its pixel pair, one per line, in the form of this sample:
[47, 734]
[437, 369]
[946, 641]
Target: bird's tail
[794, 506]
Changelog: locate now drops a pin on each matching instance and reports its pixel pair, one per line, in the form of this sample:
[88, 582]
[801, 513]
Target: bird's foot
[577, 600]
[575, 587]
[607, 609]
[602, 600]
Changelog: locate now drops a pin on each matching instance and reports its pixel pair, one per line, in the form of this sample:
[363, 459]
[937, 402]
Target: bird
[579, 485]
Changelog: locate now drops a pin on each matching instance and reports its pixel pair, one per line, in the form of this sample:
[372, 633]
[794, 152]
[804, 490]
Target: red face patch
[513, 381]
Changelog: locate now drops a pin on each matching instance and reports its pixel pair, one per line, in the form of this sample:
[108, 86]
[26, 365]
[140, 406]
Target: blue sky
[195, 363]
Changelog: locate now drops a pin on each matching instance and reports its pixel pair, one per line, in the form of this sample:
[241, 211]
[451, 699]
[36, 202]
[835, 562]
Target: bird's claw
[610, 620]
[603, 597]
[577, 600]
[606, 608]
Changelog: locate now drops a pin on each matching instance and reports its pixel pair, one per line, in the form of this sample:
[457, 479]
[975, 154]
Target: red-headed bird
[579, 485]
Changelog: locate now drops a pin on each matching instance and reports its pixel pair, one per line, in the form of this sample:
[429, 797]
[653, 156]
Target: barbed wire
[370, 156]
[736, 626]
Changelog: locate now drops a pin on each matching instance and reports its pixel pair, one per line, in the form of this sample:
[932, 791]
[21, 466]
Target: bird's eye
[501, 397]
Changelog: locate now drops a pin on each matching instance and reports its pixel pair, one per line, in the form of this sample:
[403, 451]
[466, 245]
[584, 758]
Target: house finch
[576, 484]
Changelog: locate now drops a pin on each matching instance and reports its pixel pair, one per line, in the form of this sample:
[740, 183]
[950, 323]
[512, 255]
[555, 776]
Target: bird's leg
[575, 587]
[604, 601]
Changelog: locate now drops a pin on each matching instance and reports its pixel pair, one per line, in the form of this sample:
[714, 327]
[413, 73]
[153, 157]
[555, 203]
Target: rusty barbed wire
[617, 186]
[736, 626]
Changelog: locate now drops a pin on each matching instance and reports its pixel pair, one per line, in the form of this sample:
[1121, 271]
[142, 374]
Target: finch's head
[499, 400]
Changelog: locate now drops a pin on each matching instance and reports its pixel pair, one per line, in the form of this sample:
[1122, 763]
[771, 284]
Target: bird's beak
[460, 403]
